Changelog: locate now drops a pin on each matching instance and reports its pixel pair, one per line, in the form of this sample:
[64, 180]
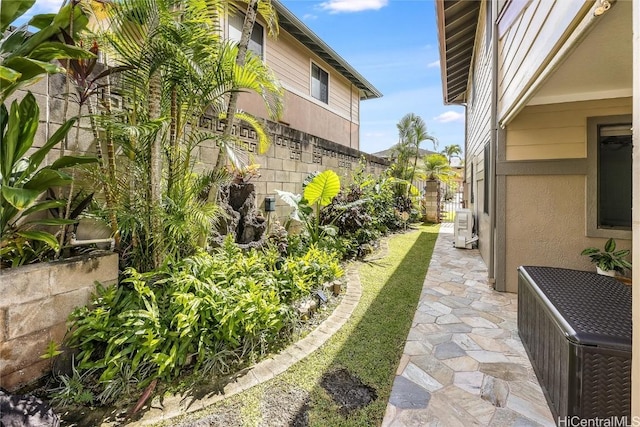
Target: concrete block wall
[291, 157]
[36, 301]
[431, 202]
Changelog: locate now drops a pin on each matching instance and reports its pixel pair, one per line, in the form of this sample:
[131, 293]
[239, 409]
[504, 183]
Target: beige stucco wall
[546, 224]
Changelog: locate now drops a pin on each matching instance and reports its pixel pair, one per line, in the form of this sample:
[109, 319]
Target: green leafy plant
[609, 259]
[23, 182]
[25, 56]
[318, 192]
[209, 312]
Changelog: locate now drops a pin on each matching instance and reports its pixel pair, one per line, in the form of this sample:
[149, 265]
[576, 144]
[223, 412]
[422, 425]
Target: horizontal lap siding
[479, 129]
[530, 44]
[337, 121]
[557, 131]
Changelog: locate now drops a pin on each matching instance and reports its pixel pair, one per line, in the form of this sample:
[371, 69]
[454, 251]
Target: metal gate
[450, 196]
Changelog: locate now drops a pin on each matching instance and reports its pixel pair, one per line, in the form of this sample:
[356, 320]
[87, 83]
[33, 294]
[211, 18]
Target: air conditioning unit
[463, 229]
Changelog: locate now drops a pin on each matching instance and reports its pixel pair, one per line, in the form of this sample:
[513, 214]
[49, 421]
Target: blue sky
[394, 45]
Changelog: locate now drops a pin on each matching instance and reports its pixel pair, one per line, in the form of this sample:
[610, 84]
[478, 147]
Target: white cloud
[338, 6]
[434, 64]
[449, 117]
[309, 17]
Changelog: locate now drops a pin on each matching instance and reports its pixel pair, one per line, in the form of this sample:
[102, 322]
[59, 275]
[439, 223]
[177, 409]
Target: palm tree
[267, 11]
[437, 168]
[413, 132]
[451, 151]
[177, 68]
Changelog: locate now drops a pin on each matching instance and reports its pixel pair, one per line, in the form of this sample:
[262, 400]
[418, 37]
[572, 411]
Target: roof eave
[290, 23]
[457, 22]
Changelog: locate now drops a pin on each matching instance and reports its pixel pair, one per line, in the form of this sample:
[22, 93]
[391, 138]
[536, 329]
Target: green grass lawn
[369, 345]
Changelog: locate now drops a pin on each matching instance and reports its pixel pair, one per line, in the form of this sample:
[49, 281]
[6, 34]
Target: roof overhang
[292, 25]
[457, 23]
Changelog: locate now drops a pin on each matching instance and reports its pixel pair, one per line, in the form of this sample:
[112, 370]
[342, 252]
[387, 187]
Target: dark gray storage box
[576, 328]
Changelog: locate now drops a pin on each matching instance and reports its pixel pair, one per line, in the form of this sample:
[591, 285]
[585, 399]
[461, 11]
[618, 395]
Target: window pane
[319, 83]
[614, 176]
[256, 42]
[487, 165]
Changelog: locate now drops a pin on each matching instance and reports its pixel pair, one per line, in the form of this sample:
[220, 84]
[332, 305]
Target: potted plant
[609, 261]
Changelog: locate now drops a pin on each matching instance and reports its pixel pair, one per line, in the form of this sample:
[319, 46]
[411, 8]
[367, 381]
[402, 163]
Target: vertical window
[614, 176]
[256, 42]
[487, 177]
[609, 179]
[473, 183]
[319, 84]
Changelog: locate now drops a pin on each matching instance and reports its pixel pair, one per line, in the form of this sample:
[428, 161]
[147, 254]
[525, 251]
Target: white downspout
[493, 144]
[635, 360]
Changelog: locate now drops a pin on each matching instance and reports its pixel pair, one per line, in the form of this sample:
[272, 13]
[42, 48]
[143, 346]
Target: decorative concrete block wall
[36, 301]
[291, 157]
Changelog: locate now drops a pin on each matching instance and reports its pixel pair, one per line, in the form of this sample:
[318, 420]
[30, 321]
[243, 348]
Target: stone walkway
[463, 362]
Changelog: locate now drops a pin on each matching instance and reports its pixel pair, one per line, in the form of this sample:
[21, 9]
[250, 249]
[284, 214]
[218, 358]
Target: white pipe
[74, 242]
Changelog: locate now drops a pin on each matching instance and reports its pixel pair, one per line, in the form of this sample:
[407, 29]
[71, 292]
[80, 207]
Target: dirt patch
[348, 391]
[285, 408]
[227, 415]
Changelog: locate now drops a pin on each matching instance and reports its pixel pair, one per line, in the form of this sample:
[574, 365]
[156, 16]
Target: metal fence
[450, 201]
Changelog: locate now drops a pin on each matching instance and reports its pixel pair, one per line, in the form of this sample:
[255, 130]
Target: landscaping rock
[25, 411]
[244, 221]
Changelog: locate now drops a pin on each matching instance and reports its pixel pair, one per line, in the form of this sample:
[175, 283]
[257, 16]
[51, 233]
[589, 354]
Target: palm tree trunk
[155, 173]
[247, 28]
[173, 139]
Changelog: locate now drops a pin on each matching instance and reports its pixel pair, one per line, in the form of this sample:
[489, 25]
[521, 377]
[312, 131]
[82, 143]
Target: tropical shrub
[351, 213]
[318, 192]
[208, 310]
[23, 182]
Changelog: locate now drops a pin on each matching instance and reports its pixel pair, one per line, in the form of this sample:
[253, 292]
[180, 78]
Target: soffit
[457, 22]
[292, 25]
[601, 66]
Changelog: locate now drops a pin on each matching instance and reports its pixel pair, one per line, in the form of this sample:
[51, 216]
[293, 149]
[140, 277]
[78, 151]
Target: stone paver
[463, 363]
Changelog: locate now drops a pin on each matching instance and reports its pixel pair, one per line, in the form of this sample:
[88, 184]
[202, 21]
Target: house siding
[290, 61]
[557, 131]
[538, 142]
[478, 129]
[530, 43]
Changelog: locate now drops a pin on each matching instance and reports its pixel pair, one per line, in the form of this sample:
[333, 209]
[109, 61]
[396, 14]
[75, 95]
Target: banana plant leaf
[12, 10]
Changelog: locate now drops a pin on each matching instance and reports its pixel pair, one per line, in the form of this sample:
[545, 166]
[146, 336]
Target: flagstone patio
[463, 362]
